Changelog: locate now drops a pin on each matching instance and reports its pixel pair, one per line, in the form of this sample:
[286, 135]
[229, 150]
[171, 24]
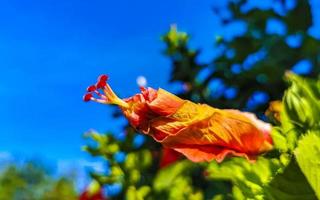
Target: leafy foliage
[249, 70]
[179, 179]
[291, 184]
[31, 181]
[246, 176]
[307, 154]
[140, 174]
[125, 171]
[302, 102]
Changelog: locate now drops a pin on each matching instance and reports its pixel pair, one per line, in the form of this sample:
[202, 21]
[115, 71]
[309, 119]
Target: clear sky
[51, 50]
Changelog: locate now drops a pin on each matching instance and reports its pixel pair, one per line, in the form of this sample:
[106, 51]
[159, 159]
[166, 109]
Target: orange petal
[198, 130]
[209, 153]
[165, 103]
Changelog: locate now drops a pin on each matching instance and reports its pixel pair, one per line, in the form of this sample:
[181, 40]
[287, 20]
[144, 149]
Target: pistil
[107, 97]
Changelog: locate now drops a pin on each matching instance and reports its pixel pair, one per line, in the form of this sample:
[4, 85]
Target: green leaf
[133, 194]
[94, 187]
[144, 191]
[175, 37]
[301, 102]
[307, 155]
[288, 130]
[138, 160]
[289, 185]
[249, 178]
[237, 194]
[166, 177]
[279, 140]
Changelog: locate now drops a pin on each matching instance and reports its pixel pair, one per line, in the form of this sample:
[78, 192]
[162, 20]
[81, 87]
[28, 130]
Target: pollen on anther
[87, 97]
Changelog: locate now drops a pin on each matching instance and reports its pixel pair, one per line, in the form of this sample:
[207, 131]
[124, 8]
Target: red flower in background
[87, 196]
[169, 156]
[198, 131]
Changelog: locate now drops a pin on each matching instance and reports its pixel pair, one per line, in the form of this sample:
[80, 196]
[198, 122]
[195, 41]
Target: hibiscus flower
[198, 131]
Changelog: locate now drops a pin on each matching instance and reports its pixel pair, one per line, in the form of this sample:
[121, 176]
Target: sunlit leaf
[163, 180]
[249, 178]
[307, 154]
[289, 185]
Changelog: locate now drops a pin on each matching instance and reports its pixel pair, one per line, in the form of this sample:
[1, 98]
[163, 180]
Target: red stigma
[103, 78]
[91, 88]
[87, 97]
[100, 84]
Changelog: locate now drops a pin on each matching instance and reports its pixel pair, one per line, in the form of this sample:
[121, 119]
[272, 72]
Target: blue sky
[52, 50]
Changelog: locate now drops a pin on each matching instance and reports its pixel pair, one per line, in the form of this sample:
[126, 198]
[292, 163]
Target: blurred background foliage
[246, 73]
[32, 181]
[248, 70]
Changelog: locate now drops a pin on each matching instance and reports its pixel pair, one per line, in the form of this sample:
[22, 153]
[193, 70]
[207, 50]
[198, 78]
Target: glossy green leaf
[291, 184]
[308, 158]
[249, 178]
[279, 140]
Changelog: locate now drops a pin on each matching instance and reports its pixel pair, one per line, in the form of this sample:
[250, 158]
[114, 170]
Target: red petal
[159, 135]
[169, 156]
